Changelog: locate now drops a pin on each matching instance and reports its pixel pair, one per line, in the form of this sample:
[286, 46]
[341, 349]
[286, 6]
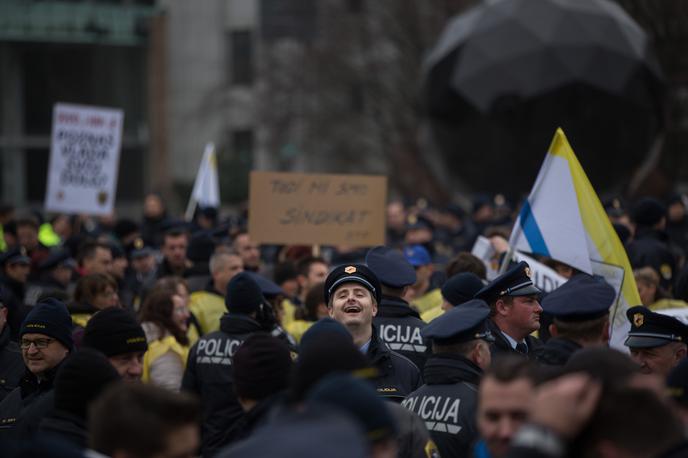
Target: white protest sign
[84, 159]
[545, 278]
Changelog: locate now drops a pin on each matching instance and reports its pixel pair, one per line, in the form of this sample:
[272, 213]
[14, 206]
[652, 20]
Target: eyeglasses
[39, 344]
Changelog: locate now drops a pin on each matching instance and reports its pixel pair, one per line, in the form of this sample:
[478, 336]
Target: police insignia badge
[527, 272]
[350, 269]
[138, 243]
[638, 320]
[665, 270]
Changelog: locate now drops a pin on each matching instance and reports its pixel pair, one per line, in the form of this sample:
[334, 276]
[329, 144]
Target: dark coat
[399, 326]
[252, 420]
[209, 374]
[502, 346]
[398, 376]
[13, 298]
[11, 364]
[557, 351]
[66, 426]
[23, 409]
[448, 402]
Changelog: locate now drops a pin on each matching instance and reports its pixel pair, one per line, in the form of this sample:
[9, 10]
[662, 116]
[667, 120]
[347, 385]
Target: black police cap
[357, 273]
[268, 287]
[461, 287]
[582, 298]
[648, 211]
[465, 322]
[391, 267]
[650, 329]
[16, 255]
[514, 282]
[139, 249]
[58, 258]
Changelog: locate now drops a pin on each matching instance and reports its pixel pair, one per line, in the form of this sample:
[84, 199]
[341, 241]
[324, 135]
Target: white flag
[564, 219]
[206, 190]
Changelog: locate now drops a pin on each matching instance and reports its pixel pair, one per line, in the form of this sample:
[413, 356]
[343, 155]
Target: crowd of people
[170, 338]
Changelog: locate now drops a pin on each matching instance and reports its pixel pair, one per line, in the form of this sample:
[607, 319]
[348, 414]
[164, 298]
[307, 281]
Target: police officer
[352, 293]
[11, 363]
[515, 311]
[580, 312]
[399, 326]
[448, 400]
[657, 342]
[55, 272]
[209, 368]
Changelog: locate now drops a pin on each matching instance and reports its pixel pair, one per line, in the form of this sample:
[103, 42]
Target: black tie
[522, 348]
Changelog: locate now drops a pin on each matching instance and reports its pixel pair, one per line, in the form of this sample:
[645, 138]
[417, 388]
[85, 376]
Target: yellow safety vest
[159, 347]
[431, 314]
[81, 319]
[297, 327]
[288, 308]
[208, 308]
[428, 300]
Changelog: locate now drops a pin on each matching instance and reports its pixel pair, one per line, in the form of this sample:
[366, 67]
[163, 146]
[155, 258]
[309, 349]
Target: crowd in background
[175, 303]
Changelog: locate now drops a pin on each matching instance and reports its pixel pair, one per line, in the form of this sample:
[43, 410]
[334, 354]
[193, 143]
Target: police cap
[650, 329]
[16, 255]
[391, 267]
[582, 298]
[461, 287]
[465, 322]
[139, 249]
[514, 282]
[357, 273]
[58, 258]
[268, 287]
[417, 255]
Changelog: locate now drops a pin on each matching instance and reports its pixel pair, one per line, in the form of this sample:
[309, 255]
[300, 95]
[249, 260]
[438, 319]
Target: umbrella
[505, 74]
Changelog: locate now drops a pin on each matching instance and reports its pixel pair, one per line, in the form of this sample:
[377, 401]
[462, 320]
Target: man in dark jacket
[262, 367]
[580, 317]
[11, 364]
[460, 346]
[15, 266]
[46, 340]
[399, 326]
[209, 368]
[650, 245]
[352, 293]
[514, 311]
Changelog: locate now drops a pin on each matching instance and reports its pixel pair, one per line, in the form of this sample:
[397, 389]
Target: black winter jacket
[398, 376]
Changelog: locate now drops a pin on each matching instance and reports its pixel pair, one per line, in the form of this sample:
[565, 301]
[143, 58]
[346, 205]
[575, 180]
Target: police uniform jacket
[209, 374]
[11, 363]
[13, 297]
[501, 345]
[16, 410]
[398, 376]
[448, 402]
[557, 351]
[399, 327]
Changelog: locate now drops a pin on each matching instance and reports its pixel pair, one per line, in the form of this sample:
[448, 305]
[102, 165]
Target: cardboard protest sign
[84, 159]
[311, 209]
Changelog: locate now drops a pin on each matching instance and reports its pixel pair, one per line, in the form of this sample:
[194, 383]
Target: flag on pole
[564, 219]
[206, 190]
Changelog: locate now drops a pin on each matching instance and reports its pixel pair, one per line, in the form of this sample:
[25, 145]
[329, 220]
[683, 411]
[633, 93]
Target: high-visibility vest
[159, 347]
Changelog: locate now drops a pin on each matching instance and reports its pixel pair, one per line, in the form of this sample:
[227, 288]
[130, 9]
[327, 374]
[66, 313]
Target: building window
[241, 44]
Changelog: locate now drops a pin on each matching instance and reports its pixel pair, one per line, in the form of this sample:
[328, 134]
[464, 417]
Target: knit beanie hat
[114, 331]
[325, 354]
[243, 294]
[51, 318]
[261, 367]
[461, 288]
[80, 379]
[324, 327]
